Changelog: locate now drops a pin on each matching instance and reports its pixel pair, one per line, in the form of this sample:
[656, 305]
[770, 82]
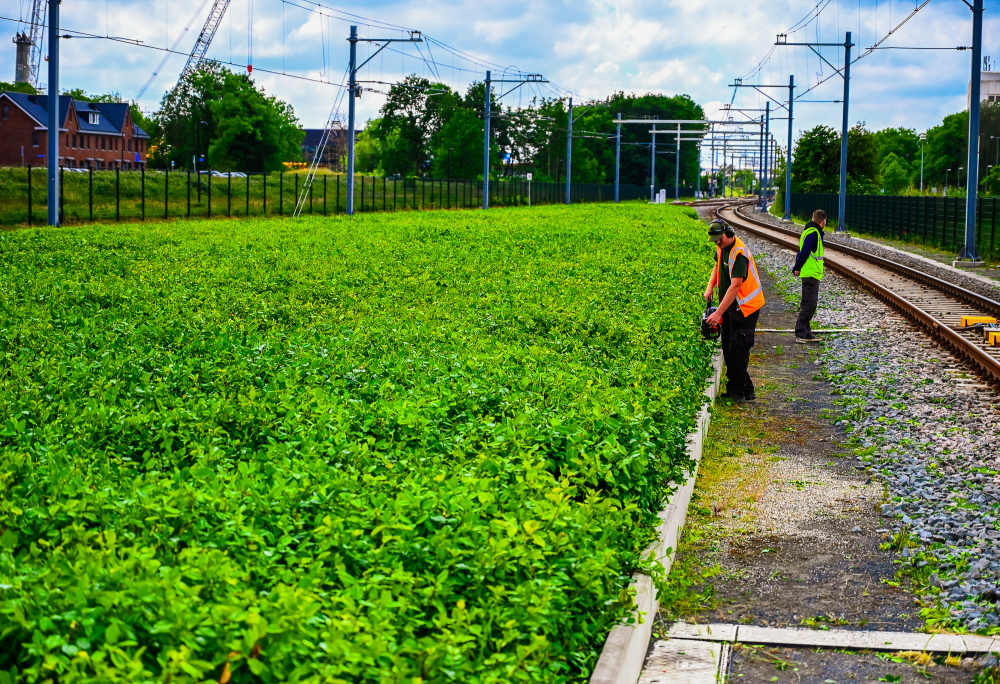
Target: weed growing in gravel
[732, 475]
[989, 675]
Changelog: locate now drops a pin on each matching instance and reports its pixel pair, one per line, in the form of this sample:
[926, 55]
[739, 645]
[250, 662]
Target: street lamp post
[946, 172]
[450, 150]
[197, 155]
[959, 174]
[923, 139]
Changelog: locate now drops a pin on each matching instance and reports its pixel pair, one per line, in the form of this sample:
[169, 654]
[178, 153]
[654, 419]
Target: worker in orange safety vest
[742, 297]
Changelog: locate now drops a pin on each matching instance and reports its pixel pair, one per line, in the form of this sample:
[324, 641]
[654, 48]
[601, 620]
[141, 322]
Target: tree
[816, 161]
[902, 142]
[946, 148]
[244, 128]
[458, 146]
[862, 155]
[895, 175]
[367, 150]
[409, 121]
[427, 127]
[22, 87]
[992, 181]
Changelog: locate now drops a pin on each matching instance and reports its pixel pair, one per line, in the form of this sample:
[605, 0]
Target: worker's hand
[795, 273]
[715, 319]
[708, 295]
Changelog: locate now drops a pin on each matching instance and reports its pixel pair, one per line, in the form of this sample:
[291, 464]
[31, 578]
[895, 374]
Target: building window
[35, 138]
[95, 118]
[74, 142]
[6, 112]
[130, 145]
[103, 143]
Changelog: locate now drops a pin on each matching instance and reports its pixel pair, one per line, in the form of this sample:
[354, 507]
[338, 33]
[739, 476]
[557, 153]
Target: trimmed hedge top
[407, 448]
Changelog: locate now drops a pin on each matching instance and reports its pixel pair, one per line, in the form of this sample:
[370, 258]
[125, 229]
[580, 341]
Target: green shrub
[394, 448]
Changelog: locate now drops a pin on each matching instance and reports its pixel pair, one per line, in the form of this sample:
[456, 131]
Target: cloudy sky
[586, 48]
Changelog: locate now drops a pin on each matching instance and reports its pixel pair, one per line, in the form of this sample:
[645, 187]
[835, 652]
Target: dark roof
[315, 135]
[115, 111]
[112, 118]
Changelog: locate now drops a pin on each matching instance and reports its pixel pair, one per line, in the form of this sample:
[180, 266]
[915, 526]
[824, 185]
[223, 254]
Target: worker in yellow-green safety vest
[809, 267]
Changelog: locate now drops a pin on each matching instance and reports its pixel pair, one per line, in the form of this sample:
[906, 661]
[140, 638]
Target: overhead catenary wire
[135, 42]
[172, 48]
[869, 50]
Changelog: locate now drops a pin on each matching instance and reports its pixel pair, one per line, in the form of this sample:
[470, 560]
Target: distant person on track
[809, 267]
[741, 296]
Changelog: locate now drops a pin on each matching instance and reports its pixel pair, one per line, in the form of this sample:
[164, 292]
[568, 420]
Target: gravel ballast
[925, 428]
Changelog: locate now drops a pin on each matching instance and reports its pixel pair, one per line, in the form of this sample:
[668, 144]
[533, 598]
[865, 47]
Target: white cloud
[590, 47]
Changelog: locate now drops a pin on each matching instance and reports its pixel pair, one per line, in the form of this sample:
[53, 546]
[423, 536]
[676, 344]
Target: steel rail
[956, 291]
[986, 364]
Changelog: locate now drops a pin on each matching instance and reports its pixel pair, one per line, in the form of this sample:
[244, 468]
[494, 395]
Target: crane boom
[204, 38]
[36, 34]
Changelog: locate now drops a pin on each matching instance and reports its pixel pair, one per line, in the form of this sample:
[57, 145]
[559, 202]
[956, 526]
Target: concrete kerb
[624, 651]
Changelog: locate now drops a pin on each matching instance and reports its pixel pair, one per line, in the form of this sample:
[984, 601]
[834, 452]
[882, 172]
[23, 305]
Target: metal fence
[89, 195]
[938, 221]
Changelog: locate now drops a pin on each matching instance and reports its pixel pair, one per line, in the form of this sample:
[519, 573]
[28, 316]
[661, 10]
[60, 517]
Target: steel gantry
[695, 135]
[569, 141]
[354, 92]
[970, 251]
[845, 73]
[791, 118]
[529, 78]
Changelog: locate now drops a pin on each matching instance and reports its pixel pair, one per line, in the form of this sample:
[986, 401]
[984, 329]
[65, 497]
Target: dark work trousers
[810, 298]
[737, 341]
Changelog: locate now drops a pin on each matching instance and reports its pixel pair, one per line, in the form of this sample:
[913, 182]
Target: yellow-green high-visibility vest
[813, 268]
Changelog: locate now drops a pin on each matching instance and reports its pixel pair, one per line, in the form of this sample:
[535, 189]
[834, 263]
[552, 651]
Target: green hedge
[407, 448]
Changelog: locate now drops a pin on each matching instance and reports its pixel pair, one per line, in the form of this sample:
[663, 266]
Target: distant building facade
[99, 135]
[335, 151]
[989, 88]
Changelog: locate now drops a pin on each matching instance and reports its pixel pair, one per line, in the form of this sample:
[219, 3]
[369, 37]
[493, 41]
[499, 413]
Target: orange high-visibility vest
[750, 296]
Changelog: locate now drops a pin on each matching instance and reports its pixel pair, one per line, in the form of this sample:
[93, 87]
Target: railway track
[935, 305]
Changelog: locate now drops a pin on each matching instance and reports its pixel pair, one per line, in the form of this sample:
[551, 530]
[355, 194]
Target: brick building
[91, 134]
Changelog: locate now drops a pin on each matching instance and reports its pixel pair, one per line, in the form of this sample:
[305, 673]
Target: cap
[716, 229]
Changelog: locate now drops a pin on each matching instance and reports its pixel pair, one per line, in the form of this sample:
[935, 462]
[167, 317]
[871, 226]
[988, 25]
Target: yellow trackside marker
[993, 337]
[973, 320]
